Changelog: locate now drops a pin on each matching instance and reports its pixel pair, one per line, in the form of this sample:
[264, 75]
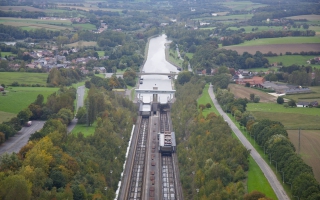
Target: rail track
[164, 123]
[168, 187]
[136, 181]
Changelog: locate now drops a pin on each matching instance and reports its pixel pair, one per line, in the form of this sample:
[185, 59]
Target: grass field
[82, 44]
[307, 17]
[309, 147]
[8, 78]
[242, 5]
[3, 54]
[20, 8]
[5, 116]
[100, 53]
[262, 69]
[175, 60]
[291, 118]
[19, 98]
[288, 60]
[248, 29]
[204, 99]
[84, 129]
[85, 26]
[283, 40]
[260, 184]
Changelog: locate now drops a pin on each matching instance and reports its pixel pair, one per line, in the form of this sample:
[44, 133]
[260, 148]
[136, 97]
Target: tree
[184, 77]
[250, 62]
[15, 187]
[280, 100]
[24, 115]
[247, 85]
[256, 99]
[251, 97]
[202, 107]
[292, 103]
[208, 105]
[39, 100]
[254, 195]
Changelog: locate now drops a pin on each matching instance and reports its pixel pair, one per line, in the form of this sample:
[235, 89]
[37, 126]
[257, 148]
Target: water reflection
[156, 62]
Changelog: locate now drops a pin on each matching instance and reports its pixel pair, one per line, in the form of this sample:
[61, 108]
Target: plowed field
[276, 48]
[240, 91]
[309, 147]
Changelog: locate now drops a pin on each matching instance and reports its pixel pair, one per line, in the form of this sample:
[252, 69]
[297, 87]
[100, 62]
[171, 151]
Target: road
[269, 174]
[15, 143]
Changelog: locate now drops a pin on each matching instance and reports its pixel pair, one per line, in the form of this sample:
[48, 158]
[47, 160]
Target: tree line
[22, 14]
[210, 160]
[273, 138]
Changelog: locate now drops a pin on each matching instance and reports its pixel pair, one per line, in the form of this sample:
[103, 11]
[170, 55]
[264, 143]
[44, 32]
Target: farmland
[20, 8]
[315, 96]
[8, 78]
[240, 91]
[28, 24]
[248, 29]
[19, 98]
[275, 48]
[309, 147]
[283, 40]
[5, 116]
[313, 18]
[288, 60]
[242, 5]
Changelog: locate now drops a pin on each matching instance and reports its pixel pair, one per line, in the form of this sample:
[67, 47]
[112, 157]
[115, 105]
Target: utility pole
[299, 142]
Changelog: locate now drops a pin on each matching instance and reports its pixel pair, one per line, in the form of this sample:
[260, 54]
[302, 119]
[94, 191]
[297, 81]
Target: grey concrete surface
[269, 174]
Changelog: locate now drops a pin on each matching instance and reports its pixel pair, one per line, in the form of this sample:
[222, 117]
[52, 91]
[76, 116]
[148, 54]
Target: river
[156, 62]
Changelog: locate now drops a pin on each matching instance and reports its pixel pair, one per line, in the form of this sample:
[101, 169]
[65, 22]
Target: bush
[208, 105]
[280, 100]
[256, 99]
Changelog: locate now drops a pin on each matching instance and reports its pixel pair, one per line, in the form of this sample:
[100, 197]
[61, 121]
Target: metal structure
[137, 174]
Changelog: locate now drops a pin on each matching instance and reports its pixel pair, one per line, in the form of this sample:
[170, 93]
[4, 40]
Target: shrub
[280, 100]
[256, 99]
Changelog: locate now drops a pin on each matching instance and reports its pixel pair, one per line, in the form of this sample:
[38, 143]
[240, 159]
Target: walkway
[269, 174]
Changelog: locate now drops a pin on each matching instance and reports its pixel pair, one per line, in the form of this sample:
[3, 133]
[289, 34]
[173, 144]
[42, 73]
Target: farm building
[303, 104]
[278, 88]
[298, 90]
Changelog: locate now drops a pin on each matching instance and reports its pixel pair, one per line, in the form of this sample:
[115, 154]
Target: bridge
[157, 73]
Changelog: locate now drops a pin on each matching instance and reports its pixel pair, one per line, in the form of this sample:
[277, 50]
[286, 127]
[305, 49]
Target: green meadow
[288, 60]
[84, 129]
[204, 99]
[3, 54]
[19, 98]
[8, 78]
[283, 40]
[248, 29]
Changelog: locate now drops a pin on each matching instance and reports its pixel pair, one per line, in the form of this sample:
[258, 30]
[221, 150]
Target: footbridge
[157, 73]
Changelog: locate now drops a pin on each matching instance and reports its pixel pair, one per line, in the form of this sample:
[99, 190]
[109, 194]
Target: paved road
[15, 143]
[275, 184]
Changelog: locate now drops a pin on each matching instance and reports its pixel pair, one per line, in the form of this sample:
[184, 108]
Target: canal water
[156, 62]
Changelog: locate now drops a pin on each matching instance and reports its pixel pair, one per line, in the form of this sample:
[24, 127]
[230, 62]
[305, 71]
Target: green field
[248, 29]
[204, 99]
[315, 96]
[5, 116]
[262, 69]
[19, 98]
[84, 129]
[288, 60]
[8, 78]
[85, 26]
[242, 5]
[291, 118]
[283, 40]
[259, 184]
[174, 60]
[82, 44]
[3, 54]
[313, 18]
[100, 53]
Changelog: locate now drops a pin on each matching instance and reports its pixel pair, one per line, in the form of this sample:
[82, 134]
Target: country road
[269, 174]
[15, 143]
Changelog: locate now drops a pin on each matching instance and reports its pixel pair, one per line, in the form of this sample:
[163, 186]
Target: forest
[210, 159]
[57, 165]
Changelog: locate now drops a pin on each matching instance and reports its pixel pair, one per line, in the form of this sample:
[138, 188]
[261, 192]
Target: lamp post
[111, 177]
[276, 165]
[282, 176]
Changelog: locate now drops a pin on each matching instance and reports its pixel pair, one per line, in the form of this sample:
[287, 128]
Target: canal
[156, 62]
